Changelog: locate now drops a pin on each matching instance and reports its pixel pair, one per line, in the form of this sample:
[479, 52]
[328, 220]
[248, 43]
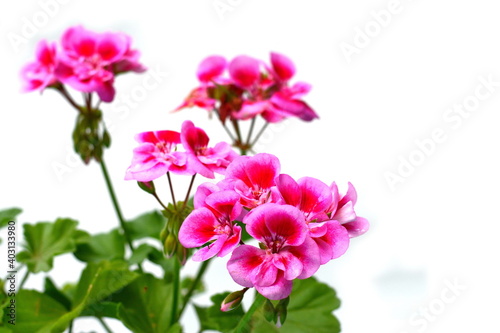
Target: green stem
[237, 130]
[259, 134]
[70, 327]
[188, 192]
[25, 278]
[250, 131]
[117, 207]
[159, 201]
[175, 295]
[192, 288]
[103, 323]
[171, 190]
[68, 97]
[257, 303]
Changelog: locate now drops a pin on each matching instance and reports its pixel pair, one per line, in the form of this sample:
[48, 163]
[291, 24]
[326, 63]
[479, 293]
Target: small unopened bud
[233, 300]
[170, 245]
[148, 187]
[182, 254]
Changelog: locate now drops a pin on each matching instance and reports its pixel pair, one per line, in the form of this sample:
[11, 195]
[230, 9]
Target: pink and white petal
[317, 229]
[210, 68]
[250, 109]
[357, 227]
[289, 189]
[289, 264]
[273, 221]
[265, 274]
[223, 203]
[308, 254]
[325, 250]
[210, 250]
[316, 195]
[345, 213]
[335, 198]
[232, 242]
[282, 288]
[283, 66]
[171, 137]
[202, 192]
[146, 175]
[351, 195]
[299, 89]
[262, 169]
[237, 170]
[198, 228]
[243, 262]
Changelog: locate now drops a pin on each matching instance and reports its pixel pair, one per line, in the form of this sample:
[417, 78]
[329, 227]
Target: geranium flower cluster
[299, 224]
[245, 87]
[85, 60]
[157, 154]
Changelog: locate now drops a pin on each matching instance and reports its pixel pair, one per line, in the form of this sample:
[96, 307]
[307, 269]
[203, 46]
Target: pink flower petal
[283, 66]
[282, 288]
[357, 227]
[289, 189]
[198, 228]
[244, 260]
[210, 68]
[244, 70]
[308, 254]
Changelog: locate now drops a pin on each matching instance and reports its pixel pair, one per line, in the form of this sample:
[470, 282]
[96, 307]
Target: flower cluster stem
[117, 207]
[175, 315]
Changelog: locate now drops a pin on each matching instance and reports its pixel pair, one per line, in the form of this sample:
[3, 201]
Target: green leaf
[105, 246]
[97, 281]
[310, 310]
[146, 305]
[141, 253]
[44, 241]
[212, 318]
[52, 291]
[7, 215]
[102, 309]
[146, 225]
[36, 312]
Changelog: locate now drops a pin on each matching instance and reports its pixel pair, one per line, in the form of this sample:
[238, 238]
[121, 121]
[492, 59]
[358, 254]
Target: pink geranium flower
[252, 177]
[40, 74]
[87, 60]
[288, 252]
[211, 68]
[201, 158]
[313, 197]
[244, 70]
[156, 155]
[342, 210]
[212, 221]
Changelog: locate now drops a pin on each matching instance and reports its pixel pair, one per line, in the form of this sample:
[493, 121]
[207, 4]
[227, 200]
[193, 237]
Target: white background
[436, 226]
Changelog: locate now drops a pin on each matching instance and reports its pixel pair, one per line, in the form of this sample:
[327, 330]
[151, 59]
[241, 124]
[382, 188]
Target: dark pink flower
[342, 210]
[201, 158]
[288, 252]
[156, 155]
[40, 74]
[198, 97]
[88, 59]
[252, 177]
[313, 197]
[212, 222]
[244, 70]
[211, 68]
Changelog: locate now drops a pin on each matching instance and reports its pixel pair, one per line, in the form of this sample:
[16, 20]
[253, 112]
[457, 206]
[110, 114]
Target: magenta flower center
[274, 244]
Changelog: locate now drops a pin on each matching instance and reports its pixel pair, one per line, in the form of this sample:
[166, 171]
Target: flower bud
[148, 187]
[170, 245]
[233, 300]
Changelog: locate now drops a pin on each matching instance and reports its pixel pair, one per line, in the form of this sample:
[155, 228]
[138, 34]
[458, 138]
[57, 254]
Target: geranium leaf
[146, 225]
[105, 246]
[44, 241]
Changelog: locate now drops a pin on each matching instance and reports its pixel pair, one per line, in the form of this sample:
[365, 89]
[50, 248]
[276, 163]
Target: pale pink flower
[40, 74]
[313, 197]
[156, 155]
[342, 210]
[252, 177]
[212, 222]
[288, 252]
[88, 59]
[201, 158]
